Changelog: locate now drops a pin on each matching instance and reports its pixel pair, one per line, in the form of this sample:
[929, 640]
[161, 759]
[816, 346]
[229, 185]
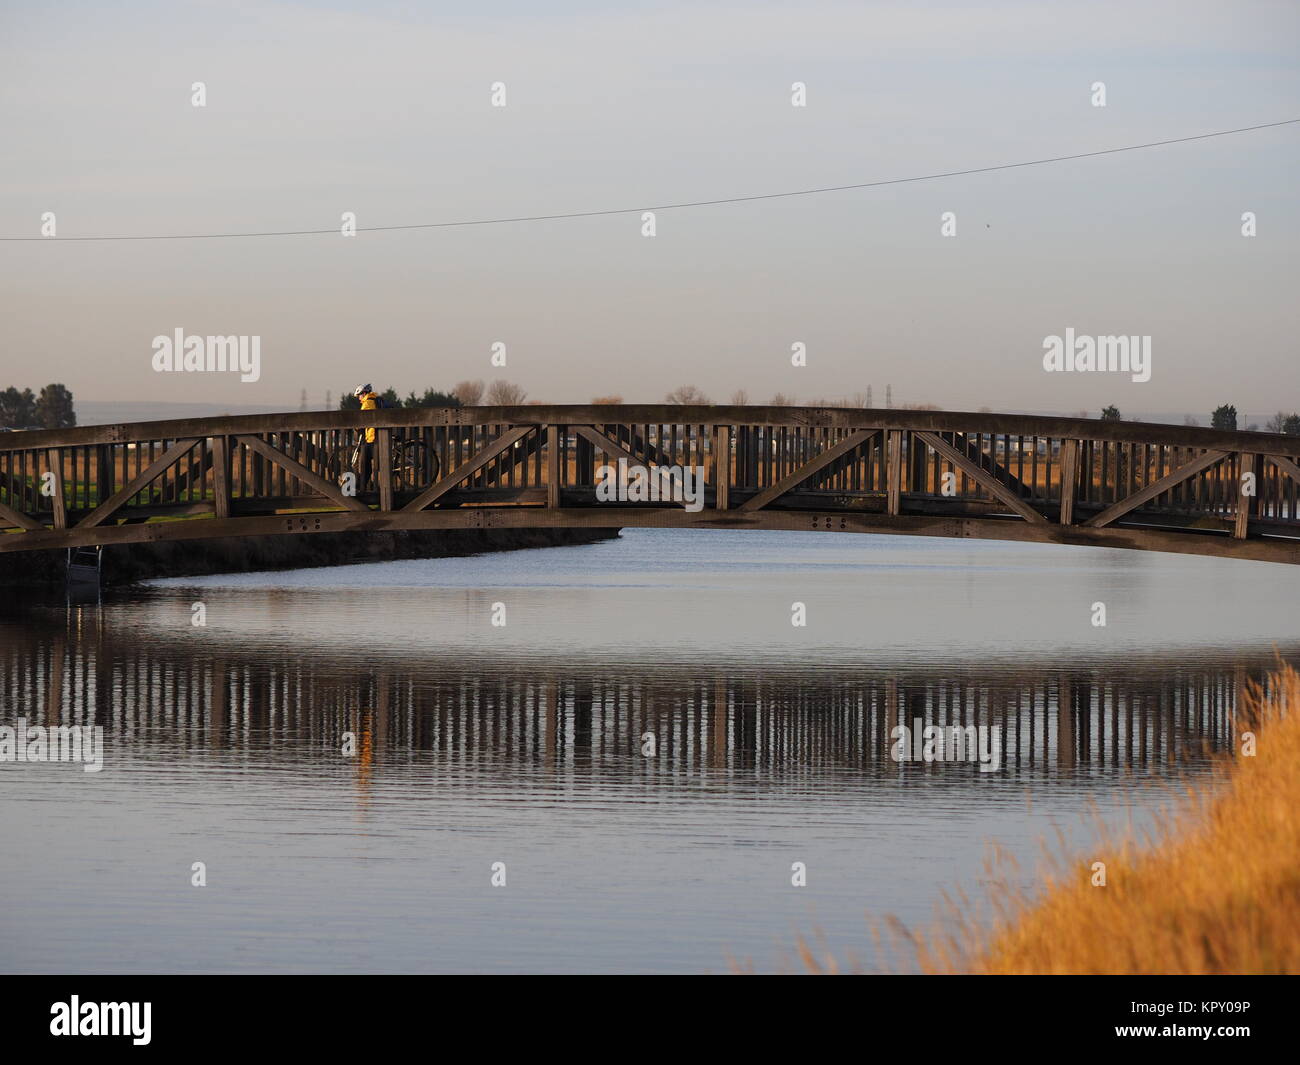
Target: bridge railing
[1075, 473]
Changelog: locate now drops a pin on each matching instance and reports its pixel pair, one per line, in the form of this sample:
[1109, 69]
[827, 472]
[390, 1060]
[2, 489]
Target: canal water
[633, 735]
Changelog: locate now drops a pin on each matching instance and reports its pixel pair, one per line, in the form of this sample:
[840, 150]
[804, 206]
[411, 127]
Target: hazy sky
[384, 109]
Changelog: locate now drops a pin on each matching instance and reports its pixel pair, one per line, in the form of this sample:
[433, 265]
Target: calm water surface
[521, 744]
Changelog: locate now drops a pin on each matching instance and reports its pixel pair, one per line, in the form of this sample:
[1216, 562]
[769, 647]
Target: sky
[385, 110]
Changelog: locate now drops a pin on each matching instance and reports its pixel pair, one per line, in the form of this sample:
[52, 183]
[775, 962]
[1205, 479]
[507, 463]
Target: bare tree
[470, 393]
[501, 393]
[1190, 420]
[781, 400]
[687, 395]
[740, 398]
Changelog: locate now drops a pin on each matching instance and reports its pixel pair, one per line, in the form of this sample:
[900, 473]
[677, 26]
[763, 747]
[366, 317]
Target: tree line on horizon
[502, 393]
[499, 393]
[1225, 417]
[51, 409]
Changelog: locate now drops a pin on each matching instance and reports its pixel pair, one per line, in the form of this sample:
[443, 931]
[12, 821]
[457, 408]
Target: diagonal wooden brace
[309, 477]
[16, 518]
[1286, 466]
[610, 447]
[506, 440]
[107, 508]
[1168, 481]
[793, 480]
[982, 477]
[1003, 473]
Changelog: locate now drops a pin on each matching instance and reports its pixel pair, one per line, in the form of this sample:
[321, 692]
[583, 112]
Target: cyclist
[370, 400]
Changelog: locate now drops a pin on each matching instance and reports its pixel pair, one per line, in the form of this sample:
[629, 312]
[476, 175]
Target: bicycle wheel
[408, 464]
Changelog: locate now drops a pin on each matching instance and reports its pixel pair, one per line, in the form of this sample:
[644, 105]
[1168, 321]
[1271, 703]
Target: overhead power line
[683, 204]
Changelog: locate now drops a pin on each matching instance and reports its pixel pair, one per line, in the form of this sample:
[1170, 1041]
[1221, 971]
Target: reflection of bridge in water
[1097, 719]
[924, 473]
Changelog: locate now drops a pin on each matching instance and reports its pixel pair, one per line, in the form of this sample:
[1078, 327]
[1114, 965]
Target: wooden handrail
[932, 421]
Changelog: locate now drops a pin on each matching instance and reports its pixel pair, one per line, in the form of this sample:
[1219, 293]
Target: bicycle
[413, 465]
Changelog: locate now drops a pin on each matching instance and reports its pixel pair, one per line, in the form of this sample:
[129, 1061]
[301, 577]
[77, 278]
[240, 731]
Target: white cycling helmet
[361, 390]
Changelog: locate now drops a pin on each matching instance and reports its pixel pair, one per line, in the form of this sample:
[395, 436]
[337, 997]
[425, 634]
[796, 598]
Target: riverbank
[125, 564]
[1218, 892]
[1214, 892]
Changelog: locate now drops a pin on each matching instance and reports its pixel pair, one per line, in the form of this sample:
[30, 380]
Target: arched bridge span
[931, 473]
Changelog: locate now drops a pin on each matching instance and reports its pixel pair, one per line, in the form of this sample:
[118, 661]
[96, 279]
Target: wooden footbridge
[926, 473]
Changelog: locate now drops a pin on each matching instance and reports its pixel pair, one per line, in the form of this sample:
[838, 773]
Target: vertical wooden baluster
[58, 500]
[103, 473]
[722, 466]
[221, 476]
[1069, 474]
[894, 477]
[1247, 506]
[384, 467]
[553, 466]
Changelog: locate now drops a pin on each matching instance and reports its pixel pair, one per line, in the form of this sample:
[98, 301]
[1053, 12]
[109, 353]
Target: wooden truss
[766, 468]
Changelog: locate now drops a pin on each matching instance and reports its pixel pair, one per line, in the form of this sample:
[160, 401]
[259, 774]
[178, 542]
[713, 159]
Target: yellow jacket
[370, 401]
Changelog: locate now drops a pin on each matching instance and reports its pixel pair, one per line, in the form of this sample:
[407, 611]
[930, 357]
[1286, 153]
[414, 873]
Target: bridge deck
[931, 473]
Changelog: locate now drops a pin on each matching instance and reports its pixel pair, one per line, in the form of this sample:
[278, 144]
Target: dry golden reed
[1216, 890]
